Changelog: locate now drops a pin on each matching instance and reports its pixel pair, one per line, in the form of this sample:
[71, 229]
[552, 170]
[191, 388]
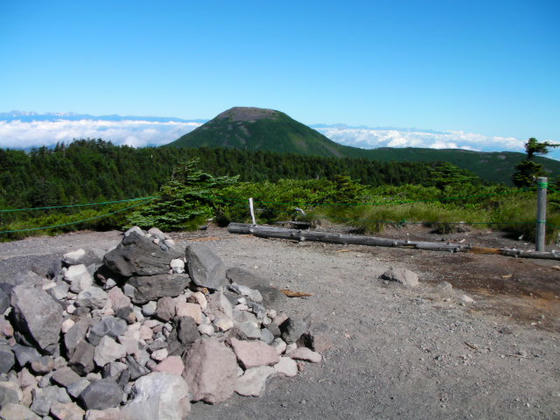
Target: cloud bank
[370, 138]
[137, 133]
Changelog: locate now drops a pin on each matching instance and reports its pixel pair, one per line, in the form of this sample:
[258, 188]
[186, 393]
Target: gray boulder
[271, 296]
[76, 334]
[13, 411]
[102, 394]
[160, 396]
[25, 354]
[37, 315]
[83, 256]
[110, 326]
[148, 288]
[4, 299]
[138, 255]
[43, 398]
[9, 393]
[187, 331]
[93, 297]
[81, 360]
[293, 328]
[401, 275]
[7, 359]
[205, 268]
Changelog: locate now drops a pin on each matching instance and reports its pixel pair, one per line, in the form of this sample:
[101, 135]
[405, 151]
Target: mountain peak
[245, 113]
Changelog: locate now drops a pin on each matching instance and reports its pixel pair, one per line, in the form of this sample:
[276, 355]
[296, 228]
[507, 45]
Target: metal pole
[252, 211]
[542, 185]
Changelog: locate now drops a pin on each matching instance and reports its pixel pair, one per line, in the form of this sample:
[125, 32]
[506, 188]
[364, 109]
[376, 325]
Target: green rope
[77, 205]
[71, 223]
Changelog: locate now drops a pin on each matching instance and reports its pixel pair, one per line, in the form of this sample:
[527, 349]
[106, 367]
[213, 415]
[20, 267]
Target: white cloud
[369, 138]
[137, 133]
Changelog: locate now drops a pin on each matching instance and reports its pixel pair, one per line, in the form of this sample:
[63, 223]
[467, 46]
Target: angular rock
[187, 331]
[76, 388]
[81, 360]
[65, 377]
[254, 353]
[105, 393]
[114, 369]
[253, 381]
[177, 265]
[303, 353]
[108, 350]
[279, 345]
[67, 325]
[136, 369]
[198, 297]
[192, 310]
[401, 275]
[76, 334]
[7, 359]
[93, 297]
[205, 268]
[9, 393]
[248, 330]
[25, 354]
[210, 371]
[67, 411]
[165, 308]
[160, 396]
[293, 328]
[173, 365]
[286, 367]
[4, 301]
[148, 288]
[17, 412]
[37, 315]
[79, 278]
[159, 355]
[107, 414]
[118, 299]
[149, 308]
[219, 305]
[42, 365]
[271, 297]
[6, 328]
[109, 326]
[138, 255]
[267, 336]
[44, 398]
[85, 257]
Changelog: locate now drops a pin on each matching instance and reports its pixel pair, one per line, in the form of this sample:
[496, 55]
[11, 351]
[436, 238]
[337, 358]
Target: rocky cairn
[141, 333]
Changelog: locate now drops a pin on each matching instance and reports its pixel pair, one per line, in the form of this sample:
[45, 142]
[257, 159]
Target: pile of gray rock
[140, 333]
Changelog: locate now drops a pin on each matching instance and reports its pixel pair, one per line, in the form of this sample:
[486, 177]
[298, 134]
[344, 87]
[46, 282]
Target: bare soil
[394, 352]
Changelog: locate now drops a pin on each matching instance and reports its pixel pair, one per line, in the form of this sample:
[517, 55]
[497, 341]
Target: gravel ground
[396, 353]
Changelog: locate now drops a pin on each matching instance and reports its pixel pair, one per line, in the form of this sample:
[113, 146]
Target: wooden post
[252, 211]
[542, 185]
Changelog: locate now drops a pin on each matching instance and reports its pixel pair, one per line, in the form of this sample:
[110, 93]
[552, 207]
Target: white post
[542, 185]
[252, 211]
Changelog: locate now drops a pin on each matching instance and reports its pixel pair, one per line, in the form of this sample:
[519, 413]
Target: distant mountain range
[270, 130]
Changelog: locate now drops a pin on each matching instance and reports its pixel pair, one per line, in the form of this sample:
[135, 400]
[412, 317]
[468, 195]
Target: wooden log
[543, 255]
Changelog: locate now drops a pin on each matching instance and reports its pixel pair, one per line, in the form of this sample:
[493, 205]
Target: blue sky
[478, 66]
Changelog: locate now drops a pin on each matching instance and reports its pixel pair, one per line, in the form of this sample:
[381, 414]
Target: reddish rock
[303, 353]
[254, 353]
[173, 365]
[210, 371]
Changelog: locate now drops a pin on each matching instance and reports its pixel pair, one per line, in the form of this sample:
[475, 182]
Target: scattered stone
[44, 398]
[108, 350]
[187, 331]
[303, 353]
[286, 367]
[138, 255]
[165, 308]
[210, 371]
[79, 278]
[24, 354]
[81, 256]
[66, 325]
[279, 345]
[9, 393]
[206, 329]
[401, 275]
[223, 323]
[192, 310]
[107, 414]
[38, 315]
[93, 297]
[136, 369]
[248, 330]
[81, 360]
[177, 265]
[444, 288]
[205, 268]
[148, 288]
[254, 353]
[65, 377]
[173, 365]
[7, 359]
[26, 379]
[198, 297]
[105, 393]
[293, 328]
[67, 411]
[271, 296]
[253, 381]
[76, 334]
[109, 326]
[59, 291]
[113, 369]
[159, 355]
[42, 365]
[118, 299]
[149, 308]
[466, 299]
[267, 336]
[12, 411]
[160, 396]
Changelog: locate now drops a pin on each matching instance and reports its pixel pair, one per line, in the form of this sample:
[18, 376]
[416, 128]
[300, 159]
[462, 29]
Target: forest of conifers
[95, 170]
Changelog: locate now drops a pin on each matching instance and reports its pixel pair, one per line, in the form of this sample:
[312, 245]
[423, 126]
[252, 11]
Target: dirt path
[397, 353]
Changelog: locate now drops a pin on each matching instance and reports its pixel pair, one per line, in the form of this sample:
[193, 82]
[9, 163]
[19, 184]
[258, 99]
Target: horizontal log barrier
[347, 239]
